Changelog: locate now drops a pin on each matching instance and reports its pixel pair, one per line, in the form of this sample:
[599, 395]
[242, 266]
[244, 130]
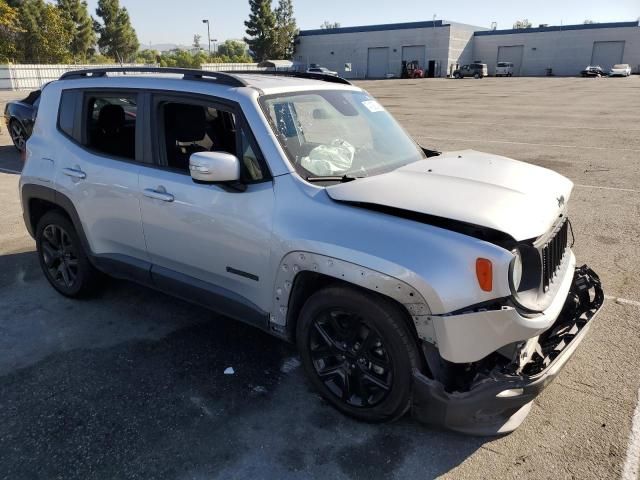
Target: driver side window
[191, 127]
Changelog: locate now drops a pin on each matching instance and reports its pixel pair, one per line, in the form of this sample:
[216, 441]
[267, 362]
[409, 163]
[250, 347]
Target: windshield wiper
[332, 178]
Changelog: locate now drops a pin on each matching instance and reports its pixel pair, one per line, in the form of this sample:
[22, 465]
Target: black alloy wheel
[358, 351]
[59, 256]
[350, 358]
[18, 134]
[62, 257]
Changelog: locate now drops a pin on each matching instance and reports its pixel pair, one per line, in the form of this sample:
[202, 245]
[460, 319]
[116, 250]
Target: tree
[9, 30]
[76, 15]
[232, 48]
[148, 56]
[327, 25]
[261, 29]
[521, 24]
[196, 42]
[118, 38]
[286, 30]
[45, 37]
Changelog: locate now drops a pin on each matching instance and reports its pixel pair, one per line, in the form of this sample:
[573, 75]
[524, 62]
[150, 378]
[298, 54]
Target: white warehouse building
[377, 51]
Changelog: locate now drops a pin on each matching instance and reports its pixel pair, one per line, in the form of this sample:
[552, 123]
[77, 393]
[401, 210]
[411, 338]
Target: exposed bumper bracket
[498, 403]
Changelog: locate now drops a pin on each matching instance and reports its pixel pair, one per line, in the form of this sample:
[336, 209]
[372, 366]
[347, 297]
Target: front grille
[553, 253]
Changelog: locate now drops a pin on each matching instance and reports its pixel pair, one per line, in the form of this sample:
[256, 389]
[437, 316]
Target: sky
[175, 21]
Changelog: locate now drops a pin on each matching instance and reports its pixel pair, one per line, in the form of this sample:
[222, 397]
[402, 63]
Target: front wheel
[358, 352]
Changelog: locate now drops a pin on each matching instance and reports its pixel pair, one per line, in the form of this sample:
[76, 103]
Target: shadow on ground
[151, 400]
[9, 159]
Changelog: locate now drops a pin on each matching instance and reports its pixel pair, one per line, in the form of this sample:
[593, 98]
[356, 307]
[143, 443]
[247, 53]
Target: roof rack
[309, 76]
[224, 78]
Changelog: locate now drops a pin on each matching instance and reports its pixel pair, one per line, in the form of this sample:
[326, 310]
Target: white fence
[221, 67]
[32, 77]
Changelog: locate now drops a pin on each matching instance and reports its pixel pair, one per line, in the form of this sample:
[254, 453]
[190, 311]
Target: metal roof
[373, 28]
[558, 28]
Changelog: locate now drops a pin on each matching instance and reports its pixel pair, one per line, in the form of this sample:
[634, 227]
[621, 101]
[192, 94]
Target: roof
[281, 81]
[558, 28]
[276, 63]
[270, 84]
[373, 28]
[265, 83]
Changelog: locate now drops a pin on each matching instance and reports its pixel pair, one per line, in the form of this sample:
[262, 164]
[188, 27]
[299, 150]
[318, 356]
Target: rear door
[98, 166]
[512, 54]
[607, 54]
[213, 237]
[378, 62]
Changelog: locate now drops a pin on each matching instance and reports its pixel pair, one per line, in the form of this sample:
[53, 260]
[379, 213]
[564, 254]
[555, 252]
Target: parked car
[620, 70]
[504, 69]
[475, 70]
[303, 208]
[593, 71]
[20, 116]
[322, 71]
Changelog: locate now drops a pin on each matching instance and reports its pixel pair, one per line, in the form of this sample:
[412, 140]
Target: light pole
[208, 34]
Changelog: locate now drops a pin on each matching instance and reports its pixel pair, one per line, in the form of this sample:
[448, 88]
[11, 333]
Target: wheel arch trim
[31, 192]
[297, 262]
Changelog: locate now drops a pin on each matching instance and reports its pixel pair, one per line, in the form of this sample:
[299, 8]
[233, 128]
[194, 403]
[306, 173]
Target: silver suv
[443, 284]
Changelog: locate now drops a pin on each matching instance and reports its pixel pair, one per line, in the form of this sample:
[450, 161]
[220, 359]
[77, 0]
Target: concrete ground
[131, 384]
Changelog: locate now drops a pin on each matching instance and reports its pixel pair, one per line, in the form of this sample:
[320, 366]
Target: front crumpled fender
[296, 262]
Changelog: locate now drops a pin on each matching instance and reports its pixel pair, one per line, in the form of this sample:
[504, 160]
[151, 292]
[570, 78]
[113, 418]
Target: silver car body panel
[471, 336]
[519, 199]
[296, 262]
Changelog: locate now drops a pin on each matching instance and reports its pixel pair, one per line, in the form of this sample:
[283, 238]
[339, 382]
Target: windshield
[339, 133]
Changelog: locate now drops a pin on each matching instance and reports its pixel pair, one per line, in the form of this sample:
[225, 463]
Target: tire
[457, 76]
[344, 333]
[18, 134]
[62, 257]
[476, 76]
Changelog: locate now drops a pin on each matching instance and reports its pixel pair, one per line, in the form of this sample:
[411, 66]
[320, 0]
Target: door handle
[74, 173]
[158, 195]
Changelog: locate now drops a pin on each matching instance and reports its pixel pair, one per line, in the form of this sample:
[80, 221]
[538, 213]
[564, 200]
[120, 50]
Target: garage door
[414, 52]
[512, 54]
[378, 62]
[607, 54]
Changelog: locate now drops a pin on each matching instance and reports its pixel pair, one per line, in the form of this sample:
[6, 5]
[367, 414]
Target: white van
[504, 69]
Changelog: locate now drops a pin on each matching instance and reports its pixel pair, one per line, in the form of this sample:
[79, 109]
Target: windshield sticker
[373, 106]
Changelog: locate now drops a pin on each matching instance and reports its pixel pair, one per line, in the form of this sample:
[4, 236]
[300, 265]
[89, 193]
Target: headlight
[525, 276]
[515, 274]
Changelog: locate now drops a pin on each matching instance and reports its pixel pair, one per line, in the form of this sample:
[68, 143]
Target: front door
[214, 237]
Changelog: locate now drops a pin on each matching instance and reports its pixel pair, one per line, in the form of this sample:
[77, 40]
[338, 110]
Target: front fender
[297, 262]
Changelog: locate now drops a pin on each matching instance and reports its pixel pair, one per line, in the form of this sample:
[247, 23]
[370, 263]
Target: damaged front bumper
[499, 399]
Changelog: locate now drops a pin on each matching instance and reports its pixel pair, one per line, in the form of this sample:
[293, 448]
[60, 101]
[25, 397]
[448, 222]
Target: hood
[516, 198]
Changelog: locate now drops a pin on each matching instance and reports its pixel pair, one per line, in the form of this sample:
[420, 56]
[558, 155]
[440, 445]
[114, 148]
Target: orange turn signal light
[484, 272]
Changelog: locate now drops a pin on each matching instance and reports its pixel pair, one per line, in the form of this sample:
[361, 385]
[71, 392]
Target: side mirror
[214, 167]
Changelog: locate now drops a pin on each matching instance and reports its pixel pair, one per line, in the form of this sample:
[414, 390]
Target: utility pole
[208, 34]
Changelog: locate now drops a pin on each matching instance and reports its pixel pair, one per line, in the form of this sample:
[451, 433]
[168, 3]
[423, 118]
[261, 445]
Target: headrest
[111, 118]
[188, 122]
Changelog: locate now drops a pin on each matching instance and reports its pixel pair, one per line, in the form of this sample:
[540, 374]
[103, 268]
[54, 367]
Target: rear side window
[111, 125]
[67, 113]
